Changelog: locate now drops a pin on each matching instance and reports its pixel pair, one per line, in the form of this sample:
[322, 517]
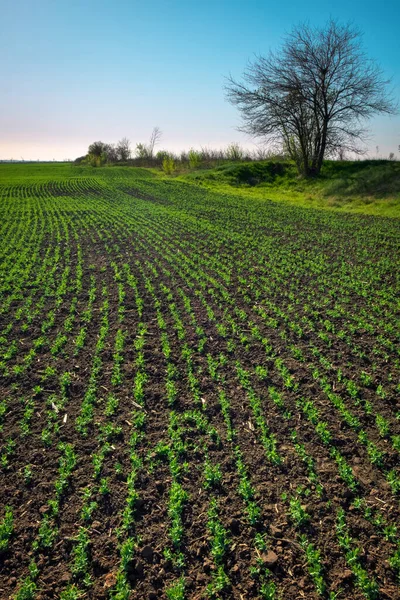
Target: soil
[151, 572]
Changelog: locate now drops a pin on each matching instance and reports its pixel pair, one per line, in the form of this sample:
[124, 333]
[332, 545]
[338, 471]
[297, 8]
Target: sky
[73, 72]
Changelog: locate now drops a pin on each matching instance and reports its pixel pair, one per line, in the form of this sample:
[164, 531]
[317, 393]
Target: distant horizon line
[35, 160]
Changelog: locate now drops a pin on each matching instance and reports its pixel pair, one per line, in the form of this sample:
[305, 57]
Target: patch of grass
[369, 186]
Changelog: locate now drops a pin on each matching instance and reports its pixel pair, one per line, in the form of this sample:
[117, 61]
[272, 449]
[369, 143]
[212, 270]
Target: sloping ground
[199, 396]
[367, 186]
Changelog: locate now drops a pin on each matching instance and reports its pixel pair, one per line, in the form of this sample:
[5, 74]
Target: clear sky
[73, 72]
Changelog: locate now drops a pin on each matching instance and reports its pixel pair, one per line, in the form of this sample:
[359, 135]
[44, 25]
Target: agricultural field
[199, 393]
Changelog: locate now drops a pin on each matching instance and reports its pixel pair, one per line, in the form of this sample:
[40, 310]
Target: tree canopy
[313, 95]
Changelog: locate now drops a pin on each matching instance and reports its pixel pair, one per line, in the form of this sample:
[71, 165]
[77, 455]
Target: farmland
[199, 393]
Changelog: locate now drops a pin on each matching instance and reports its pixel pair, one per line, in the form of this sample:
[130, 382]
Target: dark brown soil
[151, 572]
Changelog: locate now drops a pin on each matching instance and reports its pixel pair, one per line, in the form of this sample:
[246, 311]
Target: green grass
[368, 187]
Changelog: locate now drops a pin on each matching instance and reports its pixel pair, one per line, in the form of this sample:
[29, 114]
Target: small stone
[270, 559]
[110, 580]
[147, 553]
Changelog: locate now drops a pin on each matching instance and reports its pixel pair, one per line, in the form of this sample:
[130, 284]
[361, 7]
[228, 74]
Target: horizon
[78, 74]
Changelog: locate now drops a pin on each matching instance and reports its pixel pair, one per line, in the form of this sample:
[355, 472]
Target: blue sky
[77, 71]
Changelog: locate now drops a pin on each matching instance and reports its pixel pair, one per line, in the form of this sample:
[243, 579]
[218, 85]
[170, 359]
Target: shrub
[194, 158]
[234, 152]
[168, 165]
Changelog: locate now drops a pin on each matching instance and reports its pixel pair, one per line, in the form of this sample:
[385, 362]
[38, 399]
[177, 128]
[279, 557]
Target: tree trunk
[322, 148]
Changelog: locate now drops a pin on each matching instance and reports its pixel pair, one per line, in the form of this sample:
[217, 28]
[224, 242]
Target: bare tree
[123, 149]
[341, 153]
[313, 95]
[155, 138]
[110, 152]
[146, 151]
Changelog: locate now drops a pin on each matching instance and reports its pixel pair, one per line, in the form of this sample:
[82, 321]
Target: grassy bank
[369, 187]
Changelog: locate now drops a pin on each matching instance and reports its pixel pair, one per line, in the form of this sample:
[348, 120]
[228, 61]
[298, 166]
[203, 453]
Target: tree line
[145, 155]
[101, 153]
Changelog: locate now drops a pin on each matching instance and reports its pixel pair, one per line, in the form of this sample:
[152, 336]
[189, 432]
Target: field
[199, 393]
